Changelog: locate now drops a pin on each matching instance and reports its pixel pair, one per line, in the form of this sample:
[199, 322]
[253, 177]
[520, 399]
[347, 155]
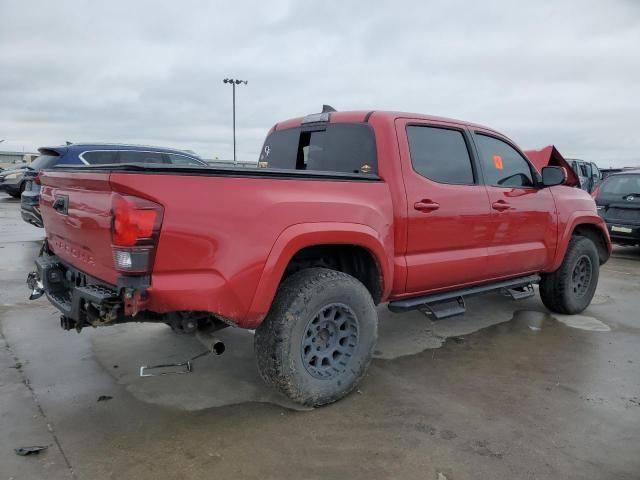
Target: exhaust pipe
[217, 347]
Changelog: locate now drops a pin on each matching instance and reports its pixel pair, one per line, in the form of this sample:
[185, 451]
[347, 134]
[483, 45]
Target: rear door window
[339, 147]
[133, 156]
[100, 158]
[440, 154]
[502, 164]
[176, 159]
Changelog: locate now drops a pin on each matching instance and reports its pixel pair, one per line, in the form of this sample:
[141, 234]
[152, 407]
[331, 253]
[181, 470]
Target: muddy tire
[316, 343]
[569, 289]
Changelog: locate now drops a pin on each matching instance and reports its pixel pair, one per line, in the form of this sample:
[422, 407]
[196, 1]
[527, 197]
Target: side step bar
[448, 304]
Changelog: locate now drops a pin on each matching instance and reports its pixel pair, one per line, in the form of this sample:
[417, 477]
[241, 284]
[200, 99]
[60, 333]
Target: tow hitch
[35, 285]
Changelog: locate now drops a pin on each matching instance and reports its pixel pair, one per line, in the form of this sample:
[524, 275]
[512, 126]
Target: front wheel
[569, 289]
[318, 339]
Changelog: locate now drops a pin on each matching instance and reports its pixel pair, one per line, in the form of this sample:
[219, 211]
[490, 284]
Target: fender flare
[577, 218]
[296, 237]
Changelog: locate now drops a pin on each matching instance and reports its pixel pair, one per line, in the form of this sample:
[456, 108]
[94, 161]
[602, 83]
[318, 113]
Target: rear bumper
[79, 297]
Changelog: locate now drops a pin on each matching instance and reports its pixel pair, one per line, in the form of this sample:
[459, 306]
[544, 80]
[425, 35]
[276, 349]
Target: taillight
[594, 194]
[134, 232]
[36, 180]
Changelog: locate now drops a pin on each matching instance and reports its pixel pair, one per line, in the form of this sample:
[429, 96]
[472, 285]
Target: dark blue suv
[92, 154]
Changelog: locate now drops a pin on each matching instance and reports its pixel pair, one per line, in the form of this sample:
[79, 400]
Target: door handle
[500, 205]
[426, 206]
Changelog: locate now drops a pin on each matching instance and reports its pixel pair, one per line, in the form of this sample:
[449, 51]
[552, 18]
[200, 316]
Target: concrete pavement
[507, 391]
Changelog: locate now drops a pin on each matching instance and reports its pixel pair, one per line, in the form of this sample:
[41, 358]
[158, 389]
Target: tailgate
[79, 225]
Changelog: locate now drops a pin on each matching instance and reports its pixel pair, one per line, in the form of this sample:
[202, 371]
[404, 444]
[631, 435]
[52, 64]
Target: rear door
[448, 209]
[523, 227]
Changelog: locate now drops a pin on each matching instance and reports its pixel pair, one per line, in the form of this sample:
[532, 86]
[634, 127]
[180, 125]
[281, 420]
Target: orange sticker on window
[497, 161]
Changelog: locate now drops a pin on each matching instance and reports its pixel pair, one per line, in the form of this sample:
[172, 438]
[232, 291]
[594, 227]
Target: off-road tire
[305, 301]
[558, 290]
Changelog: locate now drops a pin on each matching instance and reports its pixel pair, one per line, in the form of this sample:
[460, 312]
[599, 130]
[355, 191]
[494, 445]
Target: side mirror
[552, 176]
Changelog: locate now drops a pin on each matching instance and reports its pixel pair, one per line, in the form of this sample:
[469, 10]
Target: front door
[448, 208]
[523, 227]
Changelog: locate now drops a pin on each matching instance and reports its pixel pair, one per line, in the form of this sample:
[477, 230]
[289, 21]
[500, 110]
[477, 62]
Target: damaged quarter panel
[217, 233]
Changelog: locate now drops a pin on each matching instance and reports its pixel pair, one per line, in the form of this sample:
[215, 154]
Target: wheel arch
[305, 241]
[588, 225]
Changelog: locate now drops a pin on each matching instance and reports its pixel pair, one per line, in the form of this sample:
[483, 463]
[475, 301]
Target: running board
[431, 301]
[446, 308]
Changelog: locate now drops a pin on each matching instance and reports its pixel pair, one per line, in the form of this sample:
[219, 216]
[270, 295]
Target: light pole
[234, 82]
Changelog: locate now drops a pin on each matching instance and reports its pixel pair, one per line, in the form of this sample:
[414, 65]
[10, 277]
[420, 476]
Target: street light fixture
[234, 82]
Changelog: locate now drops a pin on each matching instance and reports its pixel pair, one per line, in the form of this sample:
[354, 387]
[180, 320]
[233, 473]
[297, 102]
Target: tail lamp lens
[134, 234]
[135, 221]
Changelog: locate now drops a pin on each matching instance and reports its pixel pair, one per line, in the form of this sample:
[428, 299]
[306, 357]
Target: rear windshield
[621, 185]
[337, 147]
[44, 161]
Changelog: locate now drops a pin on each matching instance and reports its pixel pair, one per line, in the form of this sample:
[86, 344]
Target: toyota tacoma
[343, 211]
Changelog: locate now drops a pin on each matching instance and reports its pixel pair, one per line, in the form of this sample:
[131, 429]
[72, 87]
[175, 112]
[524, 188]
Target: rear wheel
[570, 289]
[318, 339]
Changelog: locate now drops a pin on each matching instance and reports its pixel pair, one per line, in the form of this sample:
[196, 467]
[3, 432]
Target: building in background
[10, 160]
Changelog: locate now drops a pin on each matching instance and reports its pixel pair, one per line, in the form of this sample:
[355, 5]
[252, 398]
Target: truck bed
[219, 227]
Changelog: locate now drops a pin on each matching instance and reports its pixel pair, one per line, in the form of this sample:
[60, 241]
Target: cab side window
[503, 166]
[440, 154]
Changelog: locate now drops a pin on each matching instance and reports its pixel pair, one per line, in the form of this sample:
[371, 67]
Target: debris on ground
[104, 398]
[24, 451]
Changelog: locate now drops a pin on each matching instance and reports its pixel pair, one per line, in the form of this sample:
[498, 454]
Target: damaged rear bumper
[82, 299]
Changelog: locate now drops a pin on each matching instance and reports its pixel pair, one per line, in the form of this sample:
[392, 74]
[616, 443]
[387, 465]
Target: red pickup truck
[345, 210]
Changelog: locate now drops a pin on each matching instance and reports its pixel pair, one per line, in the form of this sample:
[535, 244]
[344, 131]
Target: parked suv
[91, 154]
[618, 201]
[344, 211]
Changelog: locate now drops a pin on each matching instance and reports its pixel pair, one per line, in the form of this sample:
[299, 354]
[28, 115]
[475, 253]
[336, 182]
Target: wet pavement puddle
[233, 378]
[583, 322]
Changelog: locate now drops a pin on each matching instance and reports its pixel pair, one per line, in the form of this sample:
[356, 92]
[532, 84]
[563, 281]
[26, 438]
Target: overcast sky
[544, 72]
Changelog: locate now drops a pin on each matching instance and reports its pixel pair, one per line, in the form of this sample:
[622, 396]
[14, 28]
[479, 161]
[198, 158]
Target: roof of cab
[358, 116]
